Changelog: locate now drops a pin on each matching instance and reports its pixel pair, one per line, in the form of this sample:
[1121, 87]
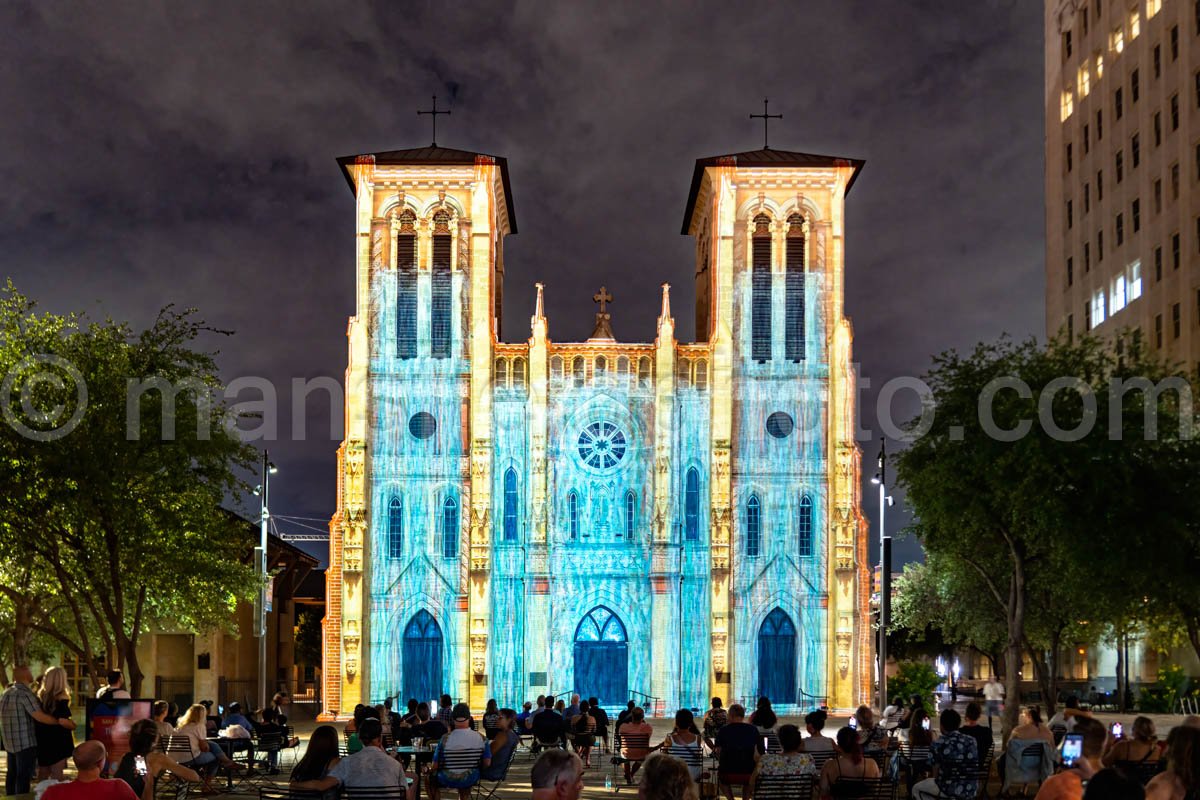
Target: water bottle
[608, 782]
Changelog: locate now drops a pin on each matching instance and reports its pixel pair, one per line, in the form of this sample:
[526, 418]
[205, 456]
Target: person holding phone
[141, 766]
[1140, 747]
[1088, 740]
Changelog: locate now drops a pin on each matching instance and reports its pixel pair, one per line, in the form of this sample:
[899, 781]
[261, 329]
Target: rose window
[601, 445]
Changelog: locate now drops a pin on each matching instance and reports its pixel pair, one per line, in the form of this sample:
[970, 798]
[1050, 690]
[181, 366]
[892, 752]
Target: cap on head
[461, 711]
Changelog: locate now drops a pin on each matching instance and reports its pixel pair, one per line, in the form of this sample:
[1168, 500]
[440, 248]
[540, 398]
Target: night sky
[184, 153]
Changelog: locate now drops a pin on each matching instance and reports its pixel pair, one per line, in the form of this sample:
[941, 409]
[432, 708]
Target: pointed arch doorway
[777, 658]
[602, 657]
[421, 661]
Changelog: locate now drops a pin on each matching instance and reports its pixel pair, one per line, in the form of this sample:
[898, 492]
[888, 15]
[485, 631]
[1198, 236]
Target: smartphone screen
[853, 723]
[139, 763]
[765, 748]
[1118, 729]
[925, 723]
[1072, 749]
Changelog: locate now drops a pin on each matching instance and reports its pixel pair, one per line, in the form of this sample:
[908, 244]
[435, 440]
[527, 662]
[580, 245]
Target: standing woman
[54, 742]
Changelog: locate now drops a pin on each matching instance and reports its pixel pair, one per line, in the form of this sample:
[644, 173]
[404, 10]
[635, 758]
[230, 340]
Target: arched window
[753, 526]
[395, 529]
[556, 367]
[760, 290]
[601, 366]
[439, 316]
[691, 505]
[630, 514]
[518, 373]
[794, 284]
[510, 505]
[573, 515]
[501, 373]
[804, 528]
[406, 287]
[450, 528]
[645, 372]
[577, 370]
[682, 380]
[700, 368]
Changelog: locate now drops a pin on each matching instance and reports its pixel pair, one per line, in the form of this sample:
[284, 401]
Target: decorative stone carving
[479, 646]
[844, 639]
[356, 456]
[350, 645]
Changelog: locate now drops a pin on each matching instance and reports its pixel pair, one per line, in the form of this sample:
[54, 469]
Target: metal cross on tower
[602, 297]
[433, 113]
[766, 118]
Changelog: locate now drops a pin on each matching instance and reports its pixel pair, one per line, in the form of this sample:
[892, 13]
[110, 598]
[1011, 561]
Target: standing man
[19, 709]
[993, 694]
[115, 690]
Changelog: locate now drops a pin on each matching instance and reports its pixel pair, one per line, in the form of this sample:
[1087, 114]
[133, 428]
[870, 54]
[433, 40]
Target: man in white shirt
[993, 694]
[115, 690]
[369, 767]
[460, 740]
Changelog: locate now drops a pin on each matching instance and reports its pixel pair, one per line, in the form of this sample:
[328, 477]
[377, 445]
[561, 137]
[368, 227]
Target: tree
[117, 495]
[1046, 512]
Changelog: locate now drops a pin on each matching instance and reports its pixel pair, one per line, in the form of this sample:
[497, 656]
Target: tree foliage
[1055, 524]
[121, 516]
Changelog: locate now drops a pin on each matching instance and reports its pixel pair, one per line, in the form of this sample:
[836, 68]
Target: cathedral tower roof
[437, 156]
[768, 157]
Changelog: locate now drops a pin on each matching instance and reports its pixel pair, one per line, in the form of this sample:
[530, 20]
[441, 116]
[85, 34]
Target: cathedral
[661, 521]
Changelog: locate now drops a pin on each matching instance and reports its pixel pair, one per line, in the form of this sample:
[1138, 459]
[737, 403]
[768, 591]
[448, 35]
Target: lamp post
[885, 570]
[260, 566]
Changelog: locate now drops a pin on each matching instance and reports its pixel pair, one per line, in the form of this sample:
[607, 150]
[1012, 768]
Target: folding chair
[783, 787]
[865, 789]
[168, 787]
[773, 745]
[983, 773]
[373, 793]
[455, 761]
[482, 792]
[1141, 771]
[631, 741]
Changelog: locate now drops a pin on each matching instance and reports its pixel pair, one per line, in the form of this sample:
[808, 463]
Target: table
[421, 755]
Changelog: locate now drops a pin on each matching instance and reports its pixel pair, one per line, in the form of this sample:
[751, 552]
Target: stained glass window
[804, 528]
[753, 526]
[439, 320]
[794, 285]
[450, 528]
[630, 512]
[601, 445]
[395, 529]
[406, 296]
[691, 506]
[573, 515]
[510, 505]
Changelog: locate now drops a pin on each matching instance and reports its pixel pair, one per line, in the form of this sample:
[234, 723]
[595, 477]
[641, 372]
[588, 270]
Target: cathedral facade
[661, 521]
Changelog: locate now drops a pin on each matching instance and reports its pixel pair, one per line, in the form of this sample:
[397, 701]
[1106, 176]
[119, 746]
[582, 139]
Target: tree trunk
[1121, 672]
[1014, 649]
[1052, 667]
[1038, 658]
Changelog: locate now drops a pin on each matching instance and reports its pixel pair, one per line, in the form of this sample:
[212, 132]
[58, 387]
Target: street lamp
[260, 566]
[885, 570]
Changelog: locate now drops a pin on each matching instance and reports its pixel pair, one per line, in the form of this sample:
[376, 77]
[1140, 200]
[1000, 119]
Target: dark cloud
[156, 153]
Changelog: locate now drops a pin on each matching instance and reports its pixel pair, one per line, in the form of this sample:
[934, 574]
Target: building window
[1175, 320]
[406, 288]
[1135, 281]
[578, 371]
[1087, 197]
[1086, 140]
[510, 505]
[1135, 24]
[395, 529]
[1099, 246]
[1068, 104]
[573, 515]
[1157, 264]
[1099, 125]
[794, 285]
[1135, 88]
[1087, 316]
[1100, 186]
[1175, 111]
[1070, 272]
[1158, 342]
[1157, 128]
[1175, 181]
[1158, 195]
[1120, 165]
[439, 316]
[760, 292]
[450, 528]
[1197, 82]
[1135, 150]
[630, 515]
[753, 526]
[1116, 297]
[1116, 40]
[1098, 308]
[1198, 161]
[1118, 104]
[1175, 250]
[1070, 159]
[1174, 42]
[804, 528]
[1070, 215]
[1070, 328]
[1157, 61]
[1153, 7]
[1087, 257]
[1066, 42]
[1120, 229]
[1135, 211]
[691, 505]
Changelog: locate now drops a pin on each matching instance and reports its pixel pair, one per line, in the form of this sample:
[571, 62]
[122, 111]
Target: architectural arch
[601, 655]
[421, 657]
[777, 662]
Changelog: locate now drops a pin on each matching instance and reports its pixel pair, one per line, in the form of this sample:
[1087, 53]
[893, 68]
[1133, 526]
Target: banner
[109, 721]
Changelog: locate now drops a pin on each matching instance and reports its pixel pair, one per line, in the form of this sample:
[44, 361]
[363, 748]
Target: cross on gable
[433, 114]
[766, 118]
[602, 297]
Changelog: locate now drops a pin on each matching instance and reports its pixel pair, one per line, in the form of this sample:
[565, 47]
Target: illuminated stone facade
[663, 521]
